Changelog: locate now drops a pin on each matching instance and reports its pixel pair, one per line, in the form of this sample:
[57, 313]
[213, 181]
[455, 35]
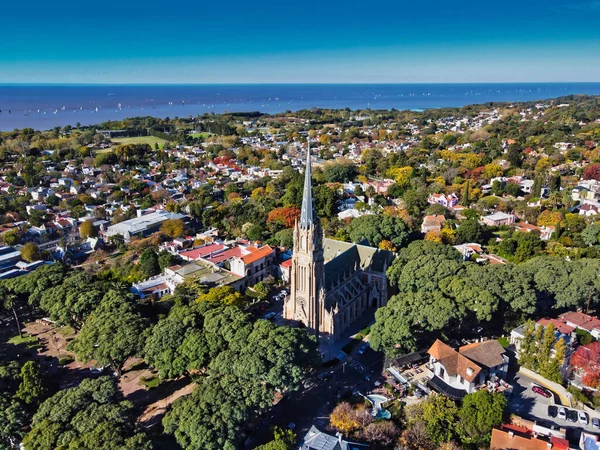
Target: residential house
[582, 321]
[432, 223]
[563, 331]
[447, 201]
[458, 373]
[498, 218]
[318, 440]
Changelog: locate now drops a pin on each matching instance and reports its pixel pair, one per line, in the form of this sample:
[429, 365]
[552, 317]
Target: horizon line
[291, 83]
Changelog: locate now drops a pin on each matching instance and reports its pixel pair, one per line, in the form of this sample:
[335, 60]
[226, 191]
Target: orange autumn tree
[285, 216]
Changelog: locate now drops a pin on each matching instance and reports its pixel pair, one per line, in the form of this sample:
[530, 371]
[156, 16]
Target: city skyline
[336, 42]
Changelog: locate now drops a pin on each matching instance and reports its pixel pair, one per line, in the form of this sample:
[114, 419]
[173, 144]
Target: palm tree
[9, 302]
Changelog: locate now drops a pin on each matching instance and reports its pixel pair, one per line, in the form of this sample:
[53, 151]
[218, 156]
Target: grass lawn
[67, 331]
[150, 382]
[151, 140]
[203, 135]
[27, 340]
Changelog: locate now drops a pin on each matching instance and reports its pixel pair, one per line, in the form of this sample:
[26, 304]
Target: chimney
[340, 437]
[548, 445]
[511, 434]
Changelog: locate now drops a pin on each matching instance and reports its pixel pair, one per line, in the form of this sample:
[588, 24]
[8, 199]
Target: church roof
[308, 215]
[344, 258]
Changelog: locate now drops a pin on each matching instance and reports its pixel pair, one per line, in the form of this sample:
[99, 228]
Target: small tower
[304, 304]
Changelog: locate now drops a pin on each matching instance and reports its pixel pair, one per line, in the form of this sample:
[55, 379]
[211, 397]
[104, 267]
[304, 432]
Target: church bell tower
[306, 295]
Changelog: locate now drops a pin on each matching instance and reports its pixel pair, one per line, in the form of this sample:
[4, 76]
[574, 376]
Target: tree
[212, 417]
[283, 440]
[383, 433]
[479, 413]
[587, 360]
[340, 171]
[148, 263]
[439, 414]
[113, 333]
[173, 227]
[87, 229]
[166, 259]
[222, 295]
[284, 216]
[471, 231]
[590, 234]
[13, 419]
[514, 155]
[30, 252]
[343, 418]
[261, 290]
[32, 389]
[89, 416]
[592, 172]
[378, 228]
[72, 301]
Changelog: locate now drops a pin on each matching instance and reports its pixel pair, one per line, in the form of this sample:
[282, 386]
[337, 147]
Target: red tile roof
[581, 320]
[201, 252]
[558, 324]
[256, 255]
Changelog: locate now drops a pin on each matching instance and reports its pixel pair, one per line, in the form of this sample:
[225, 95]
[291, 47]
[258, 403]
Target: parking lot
[529, 405]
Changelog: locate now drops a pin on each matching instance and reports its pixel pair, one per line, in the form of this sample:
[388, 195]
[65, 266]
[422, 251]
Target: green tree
[89, 416]
[378, 228]
[30, 252]
[479, 413]
[440, 415]
[471, 231]
[13, 419]
[32, 389]
[283, 439]
[113, 333]
[148, 263]
[166, 259]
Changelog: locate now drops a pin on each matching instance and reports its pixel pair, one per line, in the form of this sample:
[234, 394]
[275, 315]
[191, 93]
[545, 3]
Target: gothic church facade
[333, 283]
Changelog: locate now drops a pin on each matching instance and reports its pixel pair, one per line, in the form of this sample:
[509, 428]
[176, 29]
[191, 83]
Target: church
[333, 283]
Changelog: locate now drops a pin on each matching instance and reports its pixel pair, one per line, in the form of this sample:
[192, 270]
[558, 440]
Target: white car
[562, 413]
[584, 418]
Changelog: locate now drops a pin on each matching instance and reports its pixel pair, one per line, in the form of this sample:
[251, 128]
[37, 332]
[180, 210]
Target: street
[312, 404]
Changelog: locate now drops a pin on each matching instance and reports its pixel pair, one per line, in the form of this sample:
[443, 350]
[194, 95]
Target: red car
[542, 391]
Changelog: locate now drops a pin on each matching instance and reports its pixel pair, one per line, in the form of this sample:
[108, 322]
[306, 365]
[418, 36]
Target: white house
[458, 373]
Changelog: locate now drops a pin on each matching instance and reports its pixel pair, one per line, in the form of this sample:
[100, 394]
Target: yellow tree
[344, 419]
[173, 227]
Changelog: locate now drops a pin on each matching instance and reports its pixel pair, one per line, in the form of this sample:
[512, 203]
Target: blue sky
[134, 41]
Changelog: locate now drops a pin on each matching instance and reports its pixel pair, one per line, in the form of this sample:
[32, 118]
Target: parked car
[542, 391]
[291, 426]
[552, 411]
[584, 418]
[270, 315]
[572, 416]
[596, 423]
[562, 413]
[362, 349]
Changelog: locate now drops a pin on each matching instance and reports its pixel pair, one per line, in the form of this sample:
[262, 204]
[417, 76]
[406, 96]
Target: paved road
[313, 403]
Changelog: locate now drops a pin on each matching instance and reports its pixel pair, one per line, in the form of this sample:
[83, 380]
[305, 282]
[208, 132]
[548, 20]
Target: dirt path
[154, 410]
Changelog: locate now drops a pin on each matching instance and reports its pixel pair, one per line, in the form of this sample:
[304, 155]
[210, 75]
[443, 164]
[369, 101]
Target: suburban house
[432, 223]
[458, 373]
[317, 440]
[562, 331]
[497, 219]
[582, 321]
[447, 201]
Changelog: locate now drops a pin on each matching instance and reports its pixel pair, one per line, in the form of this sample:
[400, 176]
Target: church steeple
[308, 215]
[306, 300]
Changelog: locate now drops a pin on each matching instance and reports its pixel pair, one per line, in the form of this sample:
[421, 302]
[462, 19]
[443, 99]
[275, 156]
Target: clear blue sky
[134, 41]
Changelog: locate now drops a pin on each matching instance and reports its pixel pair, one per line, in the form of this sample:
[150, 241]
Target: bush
[67, 359]
[504, 341]
[150, 382]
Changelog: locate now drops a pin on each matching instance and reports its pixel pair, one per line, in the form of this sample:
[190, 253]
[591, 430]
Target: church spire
[308, 215]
